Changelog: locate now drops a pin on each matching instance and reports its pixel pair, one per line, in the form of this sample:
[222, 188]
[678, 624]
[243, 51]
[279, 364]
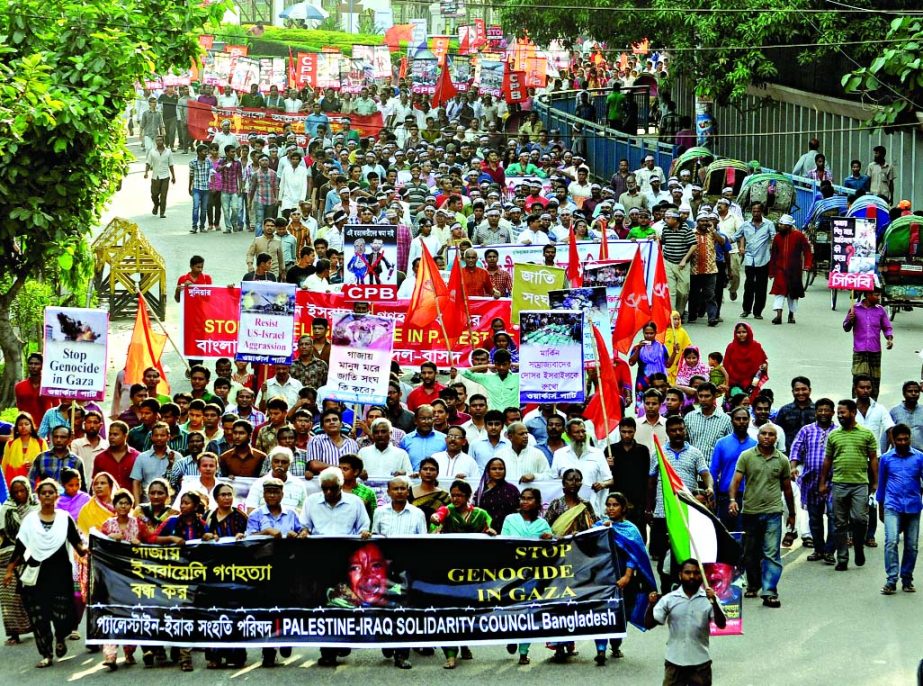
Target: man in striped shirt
[332, 444]
[199, 170]
[807, 458]
[679, 245]
[706, 423]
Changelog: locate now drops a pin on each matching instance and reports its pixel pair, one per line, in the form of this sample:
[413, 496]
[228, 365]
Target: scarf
[743, 360]
[12, 513]
[686, 372]
[39, 542]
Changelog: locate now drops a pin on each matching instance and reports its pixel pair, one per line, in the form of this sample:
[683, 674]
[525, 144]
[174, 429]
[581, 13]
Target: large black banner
[381, 592]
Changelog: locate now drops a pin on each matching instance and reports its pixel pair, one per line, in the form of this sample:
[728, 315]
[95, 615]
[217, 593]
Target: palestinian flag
[694, 531]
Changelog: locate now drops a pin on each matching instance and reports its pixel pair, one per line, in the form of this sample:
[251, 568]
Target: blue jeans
[825, 544]
[230, 206]
[908, 524]
[199, 208]
[762, 551]
[261, 212]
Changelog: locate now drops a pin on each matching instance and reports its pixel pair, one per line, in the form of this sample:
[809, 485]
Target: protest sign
[514, 86]
[490, 77]
[531, 284]
[460, 70]
[349, 592]
[727, 582]
[245, 72]
[853, 255]
[328, 70]
[494, 38]
[611, 274]
[551, 357]
[267, 322]
[210, 323]
[423, 74]
[594, 304]
[371, 261]
[360, 359]
[75, 348]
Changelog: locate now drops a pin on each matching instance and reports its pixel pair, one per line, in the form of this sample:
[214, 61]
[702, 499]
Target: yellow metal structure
[126, 263]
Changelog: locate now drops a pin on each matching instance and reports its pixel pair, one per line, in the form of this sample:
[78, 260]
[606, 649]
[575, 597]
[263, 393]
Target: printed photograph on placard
[371, 254]
[75, 349]
[267, 300]
[363, 331]
[551, 356]
[75, 325]
[594, 303]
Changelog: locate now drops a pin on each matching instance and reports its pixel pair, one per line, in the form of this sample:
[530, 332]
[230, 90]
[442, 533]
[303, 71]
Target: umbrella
[304, 11]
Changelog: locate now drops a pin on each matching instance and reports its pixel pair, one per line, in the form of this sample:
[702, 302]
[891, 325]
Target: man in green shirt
[503, 386]
[614, 106]
[767, 471]
[254, 98]
[352, 466]
[852, 456]
[643, 231]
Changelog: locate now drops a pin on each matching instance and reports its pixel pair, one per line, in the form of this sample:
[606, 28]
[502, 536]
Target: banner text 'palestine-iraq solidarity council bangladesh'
[349, 592]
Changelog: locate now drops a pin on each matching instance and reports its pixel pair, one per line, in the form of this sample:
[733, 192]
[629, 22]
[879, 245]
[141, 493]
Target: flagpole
[465, 300]
[164, 329]
[602, 395]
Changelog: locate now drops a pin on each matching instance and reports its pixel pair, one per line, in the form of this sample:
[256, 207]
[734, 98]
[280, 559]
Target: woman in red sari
[789, 254]
[744, 359]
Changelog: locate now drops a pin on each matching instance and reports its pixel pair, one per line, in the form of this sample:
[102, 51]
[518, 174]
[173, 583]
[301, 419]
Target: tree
[67, 75]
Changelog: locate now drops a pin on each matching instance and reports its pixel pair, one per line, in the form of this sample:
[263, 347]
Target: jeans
[199, 208]
[850, 509]
[214, 209]
[755, 283]
[732, 524]
[702, 296]
[688, 675]
[243, 213]
[822, 544]
[721, 283]
[159, 188]
[230, 205]
[762, 552]
[261, 212]
[908, 524]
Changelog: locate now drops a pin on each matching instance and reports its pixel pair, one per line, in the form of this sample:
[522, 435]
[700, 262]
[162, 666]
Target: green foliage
[894, 79]
[9, 414]
[232, 34]
[276, 41]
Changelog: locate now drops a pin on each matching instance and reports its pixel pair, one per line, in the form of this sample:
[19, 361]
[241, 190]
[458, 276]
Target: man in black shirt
[262, 273]
[303, 268]
[168, 100]
[630, 463]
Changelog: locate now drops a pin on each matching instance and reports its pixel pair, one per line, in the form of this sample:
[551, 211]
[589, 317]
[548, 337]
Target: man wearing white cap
[790, 250]
[655, 194]
[648, 171]
[705, 269]
[679, 247]
[728, 192]
[728, 223]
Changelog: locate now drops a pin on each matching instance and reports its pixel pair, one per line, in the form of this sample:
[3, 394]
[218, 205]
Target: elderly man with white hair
[294, 492]
[524, 463]
[383, 458]
[591, 462]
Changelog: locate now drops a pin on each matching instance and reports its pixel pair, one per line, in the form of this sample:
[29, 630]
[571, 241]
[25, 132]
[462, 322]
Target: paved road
[833, 628]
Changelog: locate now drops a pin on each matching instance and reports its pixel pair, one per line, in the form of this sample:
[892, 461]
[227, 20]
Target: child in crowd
[716, 374]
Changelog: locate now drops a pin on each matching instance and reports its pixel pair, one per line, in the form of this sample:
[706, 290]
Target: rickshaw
[900, 265]
[817, 231]
[695, 161]
[775, 191]
[723, 173]
[872, 207]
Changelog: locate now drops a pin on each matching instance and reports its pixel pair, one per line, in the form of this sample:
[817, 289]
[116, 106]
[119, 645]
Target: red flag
[396, 34]
[605, 407]
[144, 350]
[455, 316]
[431, 299]
[514, 85]
[445, 89]
[661, 306]
[464, 40]
[573, 263]
[291, 69]
[402, 68]
[634, 308]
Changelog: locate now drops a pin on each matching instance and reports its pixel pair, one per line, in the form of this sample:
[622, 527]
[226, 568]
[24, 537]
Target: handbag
[28, 572]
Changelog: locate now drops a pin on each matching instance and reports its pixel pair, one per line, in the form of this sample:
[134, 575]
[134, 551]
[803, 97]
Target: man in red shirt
[195, 277]
[427, 391]
[26, 391]
[475, 279]
[119, 458]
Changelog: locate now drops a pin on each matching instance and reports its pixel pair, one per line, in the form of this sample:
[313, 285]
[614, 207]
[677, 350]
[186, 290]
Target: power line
[683, 10]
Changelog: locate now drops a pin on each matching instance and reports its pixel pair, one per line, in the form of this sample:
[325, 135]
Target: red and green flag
[694, 531]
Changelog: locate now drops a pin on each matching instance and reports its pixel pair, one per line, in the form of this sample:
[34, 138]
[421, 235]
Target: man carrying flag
[767, 471]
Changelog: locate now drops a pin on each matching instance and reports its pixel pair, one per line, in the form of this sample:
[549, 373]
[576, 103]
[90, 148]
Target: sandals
[449, 663]
[600, 658]
[751, 594]
[788, 539]
[13, 641]
[45, 662]
[60, 649]
[524, 659]
[111, 666]
[186, 667]
[772, 601]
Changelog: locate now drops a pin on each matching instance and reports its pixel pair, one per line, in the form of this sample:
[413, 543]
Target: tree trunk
[10, 346]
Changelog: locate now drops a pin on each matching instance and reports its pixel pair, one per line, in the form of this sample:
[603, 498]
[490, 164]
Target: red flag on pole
[605, 407]
[144, 350]
[430, 294]
[573, 262]
[445, 89]
[291, 69]
[455, 316]
[661, 306]
[634, 308]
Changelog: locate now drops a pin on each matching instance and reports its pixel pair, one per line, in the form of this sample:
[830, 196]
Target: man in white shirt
[224, 137]
[159, 164]
[293, 181]
[282, 384]
[453, 463]
[648, 171]
[533, 235]
[91, 444]
[382, 458]
[590, 461]
[228, 98]
[524, 464]
[399, 518]
[292, 102]
[294, 492]
[654, 194]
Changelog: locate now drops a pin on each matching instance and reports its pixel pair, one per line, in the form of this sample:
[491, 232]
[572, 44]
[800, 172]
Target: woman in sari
[73, 499]
[495, 495]
[21, 502]
[21, 452]
[691, 364]
[652, 357]
[633, 566]
[48, 599]
[92, 516]
[568, 515]
[460, 517]
[527, 523]
[225, 521]
[744, 359]
[122, 527]
[427, 495]
[674, 338]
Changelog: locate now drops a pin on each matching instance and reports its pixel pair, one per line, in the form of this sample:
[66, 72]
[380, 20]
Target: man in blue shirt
[857, 181]
[757, 235]
[724, 463]
[424, 441]
[900, 477]
[313, 120]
